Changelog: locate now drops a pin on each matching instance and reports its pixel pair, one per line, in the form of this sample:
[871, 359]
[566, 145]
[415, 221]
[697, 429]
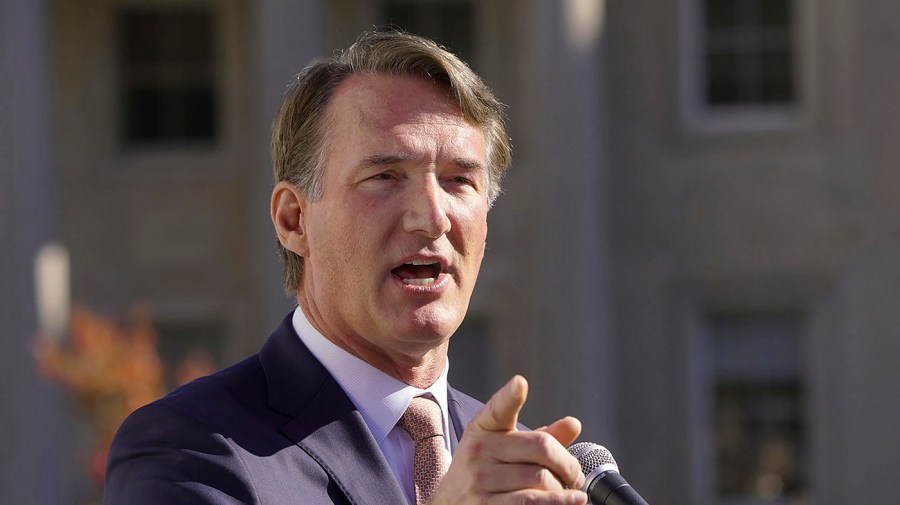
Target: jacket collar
[324, 422]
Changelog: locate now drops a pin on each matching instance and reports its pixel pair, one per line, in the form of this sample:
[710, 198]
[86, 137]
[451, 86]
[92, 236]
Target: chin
[432, 327]
[428, 333]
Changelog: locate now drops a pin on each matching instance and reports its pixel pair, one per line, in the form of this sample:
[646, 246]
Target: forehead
[383, 101]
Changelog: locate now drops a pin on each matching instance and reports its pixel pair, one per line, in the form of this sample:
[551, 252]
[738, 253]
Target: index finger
[501, 413]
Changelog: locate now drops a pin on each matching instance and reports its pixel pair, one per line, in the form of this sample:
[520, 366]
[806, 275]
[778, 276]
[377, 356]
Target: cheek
[481, 240]
[474, 235]
[478, 224]
[480, 254]
[333, 241]
[470, 211]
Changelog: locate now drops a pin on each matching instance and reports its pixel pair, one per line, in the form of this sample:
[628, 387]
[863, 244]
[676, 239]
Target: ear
[287, 208]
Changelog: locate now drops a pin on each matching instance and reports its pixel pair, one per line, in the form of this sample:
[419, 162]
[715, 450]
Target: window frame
[221, 157]
[698, 116]
[712, 383]
[695, 301]
[159, 76]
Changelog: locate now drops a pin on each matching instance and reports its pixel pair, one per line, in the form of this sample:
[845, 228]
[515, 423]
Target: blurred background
[696, 252]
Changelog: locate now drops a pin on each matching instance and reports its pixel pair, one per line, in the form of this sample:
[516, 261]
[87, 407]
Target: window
[166, 63]
[746, 65]
[448, 22]
[748, 52]
[758, 403]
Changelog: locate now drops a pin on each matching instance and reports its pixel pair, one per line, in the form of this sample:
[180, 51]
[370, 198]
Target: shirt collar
[380, 398]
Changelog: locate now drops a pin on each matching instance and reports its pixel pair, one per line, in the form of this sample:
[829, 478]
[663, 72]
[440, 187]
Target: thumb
[501, 413]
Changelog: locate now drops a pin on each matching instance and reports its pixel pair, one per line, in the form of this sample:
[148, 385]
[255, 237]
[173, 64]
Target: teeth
[422, 262]
[419, 282]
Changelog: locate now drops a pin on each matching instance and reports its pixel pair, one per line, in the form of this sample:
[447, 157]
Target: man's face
[395, 243]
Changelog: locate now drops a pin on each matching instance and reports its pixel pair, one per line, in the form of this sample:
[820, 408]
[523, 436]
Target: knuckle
[543, 479]
[476, 448]
[543, 443]
[529, 498]
[481, 476]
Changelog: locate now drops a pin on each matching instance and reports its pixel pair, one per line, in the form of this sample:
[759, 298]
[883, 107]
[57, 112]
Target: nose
[426, 211]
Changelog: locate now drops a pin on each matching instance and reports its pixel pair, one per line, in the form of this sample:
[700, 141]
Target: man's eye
[383, 176]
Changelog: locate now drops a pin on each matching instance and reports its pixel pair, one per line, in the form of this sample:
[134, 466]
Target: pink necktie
[422, 420]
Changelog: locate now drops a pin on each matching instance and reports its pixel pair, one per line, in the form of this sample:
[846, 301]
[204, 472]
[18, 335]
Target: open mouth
[418, 272]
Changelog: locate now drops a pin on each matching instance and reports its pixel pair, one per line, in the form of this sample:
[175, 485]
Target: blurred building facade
[696, 252]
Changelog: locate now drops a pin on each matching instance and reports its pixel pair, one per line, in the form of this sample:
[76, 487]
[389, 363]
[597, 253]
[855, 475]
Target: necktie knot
[422, 419]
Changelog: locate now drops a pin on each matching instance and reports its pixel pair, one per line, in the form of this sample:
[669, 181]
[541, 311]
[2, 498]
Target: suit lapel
[462, 408]
[325, 422]
[343, 445]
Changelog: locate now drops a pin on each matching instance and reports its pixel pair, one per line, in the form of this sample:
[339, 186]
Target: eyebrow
[468, 164]
[391, 159]
[383, 159]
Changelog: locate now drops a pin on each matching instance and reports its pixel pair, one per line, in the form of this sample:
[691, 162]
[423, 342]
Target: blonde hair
[300, 128]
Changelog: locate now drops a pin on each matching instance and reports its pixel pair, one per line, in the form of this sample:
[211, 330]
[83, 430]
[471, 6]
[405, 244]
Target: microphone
[603, 483]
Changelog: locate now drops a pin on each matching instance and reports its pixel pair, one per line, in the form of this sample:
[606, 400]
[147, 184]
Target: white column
[34, 455]
[560, 75]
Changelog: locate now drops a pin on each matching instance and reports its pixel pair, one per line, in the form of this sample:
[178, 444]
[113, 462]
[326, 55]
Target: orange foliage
[109, 369]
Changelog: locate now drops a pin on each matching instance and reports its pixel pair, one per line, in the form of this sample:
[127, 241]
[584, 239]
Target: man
[387, 158]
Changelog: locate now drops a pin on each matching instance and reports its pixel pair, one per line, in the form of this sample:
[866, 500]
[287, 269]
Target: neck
[421, 375]
[417, 370]
[417, 367]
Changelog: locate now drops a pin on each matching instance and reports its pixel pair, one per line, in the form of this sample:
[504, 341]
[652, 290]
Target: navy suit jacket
[275, 428]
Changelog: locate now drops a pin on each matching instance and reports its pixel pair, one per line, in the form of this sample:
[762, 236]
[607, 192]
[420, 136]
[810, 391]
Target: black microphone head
[593, 458]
